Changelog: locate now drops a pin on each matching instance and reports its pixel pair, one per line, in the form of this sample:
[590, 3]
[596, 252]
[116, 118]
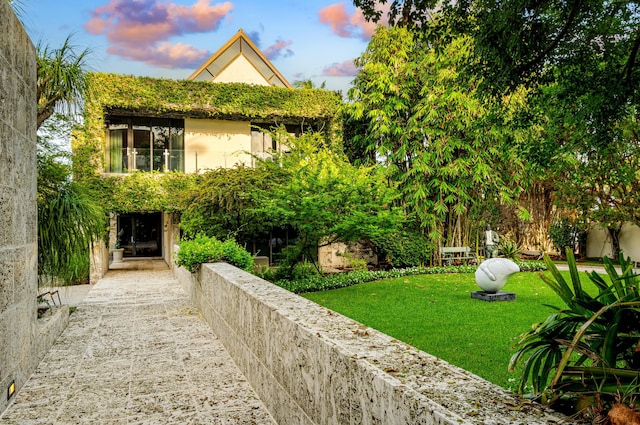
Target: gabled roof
[239, 49]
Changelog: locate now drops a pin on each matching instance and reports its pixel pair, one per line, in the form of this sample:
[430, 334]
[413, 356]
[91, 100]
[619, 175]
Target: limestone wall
[310, 365]
[18, 214]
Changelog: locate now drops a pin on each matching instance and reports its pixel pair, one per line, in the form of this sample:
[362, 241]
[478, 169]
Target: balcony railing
[136, 159]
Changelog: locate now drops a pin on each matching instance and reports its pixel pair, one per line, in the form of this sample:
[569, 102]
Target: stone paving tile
[136, 352]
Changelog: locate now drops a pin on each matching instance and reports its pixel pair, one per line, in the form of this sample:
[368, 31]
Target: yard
[436, 314]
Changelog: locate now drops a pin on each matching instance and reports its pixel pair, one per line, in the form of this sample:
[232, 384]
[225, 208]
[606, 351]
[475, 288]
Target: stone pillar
[18, 210]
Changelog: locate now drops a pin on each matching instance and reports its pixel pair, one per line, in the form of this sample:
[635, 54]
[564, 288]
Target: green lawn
[436, 314]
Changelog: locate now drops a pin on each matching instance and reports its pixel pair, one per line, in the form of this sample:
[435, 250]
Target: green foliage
[202, 99]
[354, 263]
[225, 202]
[203, 249]
[69, 222]
[402, 249]
[61, 79]
[325, 199]
[564, 234]
[236, 255]
[589, 347]
[442, 146]
[341, 280]
[509, 249]
[141, 192]
[406, 13]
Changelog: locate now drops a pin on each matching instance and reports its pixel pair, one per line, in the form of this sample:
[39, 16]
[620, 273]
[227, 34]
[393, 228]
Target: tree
[437, 140]
[579, 62]
[61, 79]
[69, 221]
[529, 40]
[308, 84]
[325, 199]
[404, 13]
[226, 203]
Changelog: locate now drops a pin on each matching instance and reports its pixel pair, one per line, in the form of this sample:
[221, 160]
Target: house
[140, 133]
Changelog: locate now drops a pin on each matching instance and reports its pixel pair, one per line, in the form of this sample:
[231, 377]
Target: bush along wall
[341, 280]
[204, 249]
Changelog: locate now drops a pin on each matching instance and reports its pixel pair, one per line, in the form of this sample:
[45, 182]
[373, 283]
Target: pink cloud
[344, 69]
[349, 26]
[140, 29]
[280, 48]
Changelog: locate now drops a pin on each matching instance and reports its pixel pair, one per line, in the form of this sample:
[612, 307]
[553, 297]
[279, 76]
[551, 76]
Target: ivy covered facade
[145, 139]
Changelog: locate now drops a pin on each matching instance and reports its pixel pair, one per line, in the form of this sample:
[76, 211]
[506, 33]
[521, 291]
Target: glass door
[141, 234]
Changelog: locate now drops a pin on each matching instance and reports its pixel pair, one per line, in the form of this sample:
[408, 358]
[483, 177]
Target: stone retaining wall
[18, 211]
[310, 365]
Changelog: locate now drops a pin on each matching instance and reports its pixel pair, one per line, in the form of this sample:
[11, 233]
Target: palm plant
[591, 348]
[69, 221]
[61, 78]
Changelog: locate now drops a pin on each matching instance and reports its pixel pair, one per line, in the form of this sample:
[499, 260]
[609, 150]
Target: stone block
[493, 296]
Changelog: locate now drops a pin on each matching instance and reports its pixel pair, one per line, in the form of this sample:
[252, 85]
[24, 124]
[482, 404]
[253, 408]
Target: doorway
[141, 234]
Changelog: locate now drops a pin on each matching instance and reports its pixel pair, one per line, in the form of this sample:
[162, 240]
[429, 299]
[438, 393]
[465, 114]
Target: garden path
[136, 352]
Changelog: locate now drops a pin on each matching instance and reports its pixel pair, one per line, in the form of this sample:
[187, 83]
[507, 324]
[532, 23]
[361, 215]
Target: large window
[144, 144]
[263, 145]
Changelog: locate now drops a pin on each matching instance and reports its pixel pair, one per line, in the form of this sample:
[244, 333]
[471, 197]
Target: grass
[436, 314]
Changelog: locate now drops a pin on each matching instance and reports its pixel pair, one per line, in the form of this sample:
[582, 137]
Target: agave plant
[509, 249]
[591, 347]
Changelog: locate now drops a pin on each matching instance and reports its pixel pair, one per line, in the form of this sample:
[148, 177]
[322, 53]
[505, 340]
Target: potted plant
[117, 251]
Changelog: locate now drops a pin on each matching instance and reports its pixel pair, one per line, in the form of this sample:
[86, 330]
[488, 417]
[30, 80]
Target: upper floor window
[144, 144]
[263, 145]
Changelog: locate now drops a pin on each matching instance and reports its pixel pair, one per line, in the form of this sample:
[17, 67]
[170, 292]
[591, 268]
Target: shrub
[203, 249]
[587, 350]
[564, 235]
[509, 249]
[406, 248]
[237, 255]
[341, 280]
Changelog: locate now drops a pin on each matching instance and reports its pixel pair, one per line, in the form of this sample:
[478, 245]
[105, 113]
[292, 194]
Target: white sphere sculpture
[492, 274]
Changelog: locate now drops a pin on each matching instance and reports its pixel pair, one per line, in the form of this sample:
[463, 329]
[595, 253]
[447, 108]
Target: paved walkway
[136, 352]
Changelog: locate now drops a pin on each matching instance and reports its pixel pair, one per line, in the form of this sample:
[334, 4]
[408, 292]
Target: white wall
[599, 242]
[213, 144]
[241, 70]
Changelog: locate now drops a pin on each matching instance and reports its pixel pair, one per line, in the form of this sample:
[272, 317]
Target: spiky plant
[591, 348]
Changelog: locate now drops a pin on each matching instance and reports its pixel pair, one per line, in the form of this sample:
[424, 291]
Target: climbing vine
[154, 97]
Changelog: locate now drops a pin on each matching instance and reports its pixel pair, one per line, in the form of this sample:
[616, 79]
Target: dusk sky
[304, 39]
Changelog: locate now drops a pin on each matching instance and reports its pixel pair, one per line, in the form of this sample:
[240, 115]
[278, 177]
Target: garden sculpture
[492, 274]
[491, 240]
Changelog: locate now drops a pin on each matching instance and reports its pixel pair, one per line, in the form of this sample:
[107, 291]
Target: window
[263, 145]
[144, 144]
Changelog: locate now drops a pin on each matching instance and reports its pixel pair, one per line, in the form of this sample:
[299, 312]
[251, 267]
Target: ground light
[11, 390]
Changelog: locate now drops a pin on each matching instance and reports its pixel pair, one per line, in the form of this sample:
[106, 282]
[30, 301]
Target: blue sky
[304, 39]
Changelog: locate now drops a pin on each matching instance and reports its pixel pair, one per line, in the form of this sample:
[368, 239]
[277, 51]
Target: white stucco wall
[599, 242]
[213, 144]
[630, 241]
[240, 70]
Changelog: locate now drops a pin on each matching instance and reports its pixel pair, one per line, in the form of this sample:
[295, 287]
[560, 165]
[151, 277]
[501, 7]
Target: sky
[313, 40]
